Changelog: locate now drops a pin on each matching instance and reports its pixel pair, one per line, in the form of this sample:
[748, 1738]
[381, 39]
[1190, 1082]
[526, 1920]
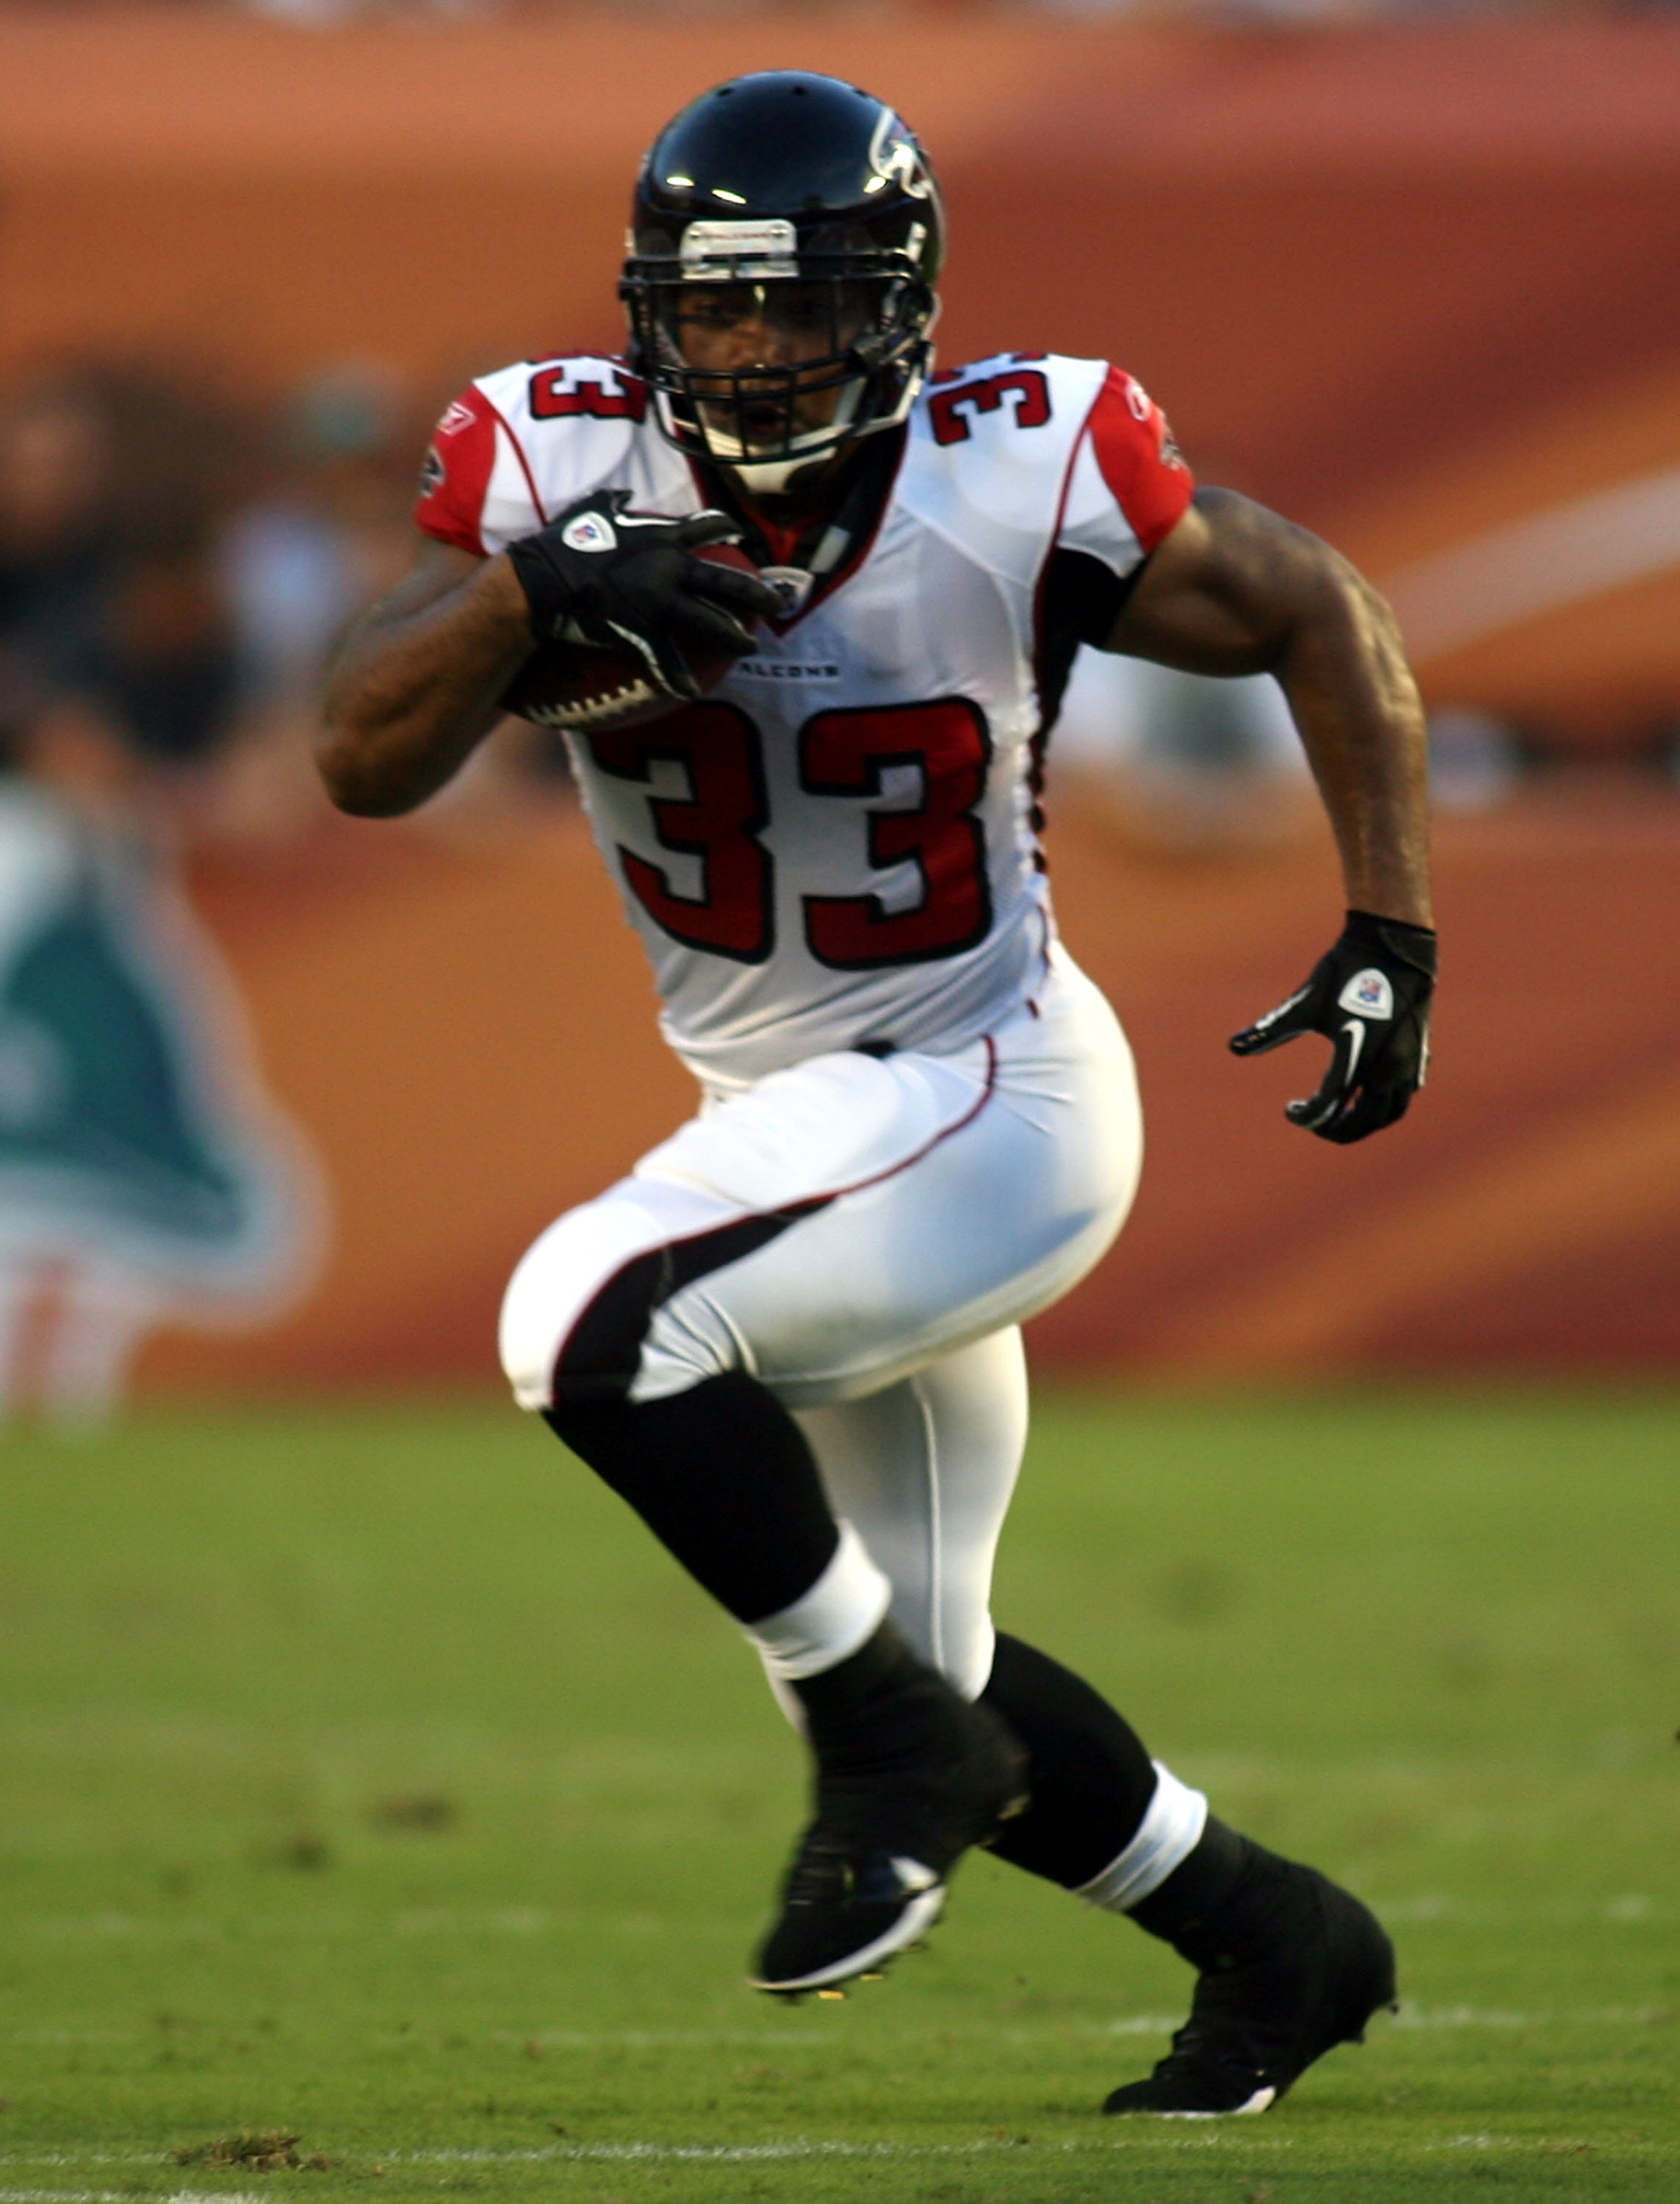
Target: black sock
[1092, 1781]
[723, 1477]
[1198, 1908]
[875, 1706]
[1090, 1777]
[840, 1701]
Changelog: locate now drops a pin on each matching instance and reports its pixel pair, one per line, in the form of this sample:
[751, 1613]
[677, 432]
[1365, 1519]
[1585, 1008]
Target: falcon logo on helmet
[897, 158]
[786, 237]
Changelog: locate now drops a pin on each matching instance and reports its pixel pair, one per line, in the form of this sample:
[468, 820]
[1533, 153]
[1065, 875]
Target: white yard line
[1603, 2016]
[561, 2154]
[798, 2147]
[807, 2148]
[1632, 1907]
[1410, 2018]
[65, 2196]
[821, 2036]
[669, 2039]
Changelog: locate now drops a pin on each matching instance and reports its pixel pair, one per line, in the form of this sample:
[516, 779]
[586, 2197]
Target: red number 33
[944, 744]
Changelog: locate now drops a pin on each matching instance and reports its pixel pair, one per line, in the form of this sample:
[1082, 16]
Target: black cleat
[1309, 1966]
[921, 1777]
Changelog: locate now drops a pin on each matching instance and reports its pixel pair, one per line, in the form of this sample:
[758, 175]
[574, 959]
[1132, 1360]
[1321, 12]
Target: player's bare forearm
[1236, 589]
[415, 686]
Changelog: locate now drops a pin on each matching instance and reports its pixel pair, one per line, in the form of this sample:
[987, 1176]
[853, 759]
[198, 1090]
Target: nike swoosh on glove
[602, 575]
[1371, 996]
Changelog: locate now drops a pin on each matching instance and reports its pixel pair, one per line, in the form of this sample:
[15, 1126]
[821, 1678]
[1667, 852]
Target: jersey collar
[809, 560]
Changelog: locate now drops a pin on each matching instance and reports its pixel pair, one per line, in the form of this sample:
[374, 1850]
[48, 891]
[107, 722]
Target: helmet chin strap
[770, 477]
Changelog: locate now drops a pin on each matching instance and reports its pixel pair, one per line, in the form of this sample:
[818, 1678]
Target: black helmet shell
[829, 157]
[785, 177]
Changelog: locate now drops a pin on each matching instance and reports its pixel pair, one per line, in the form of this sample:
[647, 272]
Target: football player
[790, 1338]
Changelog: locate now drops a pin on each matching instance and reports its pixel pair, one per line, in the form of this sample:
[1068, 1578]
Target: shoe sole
[1258, 2102]
[925, 1908]
[912, 1925]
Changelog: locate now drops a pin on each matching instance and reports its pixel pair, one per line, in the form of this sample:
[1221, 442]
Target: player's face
[734, 330]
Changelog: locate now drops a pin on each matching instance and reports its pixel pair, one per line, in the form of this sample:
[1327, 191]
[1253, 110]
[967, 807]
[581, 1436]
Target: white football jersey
[838, 848]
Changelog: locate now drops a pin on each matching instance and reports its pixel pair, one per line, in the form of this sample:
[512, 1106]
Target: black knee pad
[722, 1476]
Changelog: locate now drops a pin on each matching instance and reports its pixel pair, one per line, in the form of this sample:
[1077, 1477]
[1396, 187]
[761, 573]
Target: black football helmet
[818, 207]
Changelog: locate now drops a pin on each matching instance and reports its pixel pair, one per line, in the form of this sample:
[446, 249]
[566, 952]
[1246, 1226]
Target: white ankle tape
[841, 1609]
[1169, 1832]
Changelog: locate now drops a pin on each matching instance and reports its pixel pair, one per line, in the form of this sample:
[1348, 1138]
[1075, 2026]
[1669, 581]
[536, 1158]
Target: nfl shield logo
[792, 584]
[591, 531]
[1368, 994]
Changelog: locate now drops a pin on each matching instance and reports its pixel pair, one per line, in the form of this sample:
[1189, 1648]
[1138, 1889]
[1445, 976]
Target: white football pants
[864, 1235]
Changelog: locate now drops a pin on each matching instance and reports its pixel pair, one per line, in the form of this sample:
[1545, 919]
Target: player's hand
[1371, 996]
[600, 574]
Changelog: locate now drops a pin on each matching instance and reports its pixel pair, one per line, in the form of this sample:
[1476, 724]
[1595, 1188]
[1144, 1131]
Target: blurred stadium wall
[1413, 282]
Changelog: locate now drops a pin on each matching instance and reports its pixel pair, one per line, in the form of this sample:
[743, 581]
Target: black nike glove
[600, 574]
[1371, 996]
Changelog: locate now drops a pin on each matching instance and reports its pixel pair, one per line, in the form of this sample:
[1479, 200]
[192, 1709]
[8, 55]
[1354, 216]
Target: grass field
[369, 1778]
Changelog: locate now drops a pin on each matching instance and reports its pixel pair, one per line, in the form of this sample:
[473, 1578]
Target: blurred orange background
[1412, 283]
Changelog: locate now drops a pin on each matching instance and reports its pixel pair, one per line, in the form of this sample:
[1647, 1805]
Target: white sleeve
[475, 488]
[1092, 519]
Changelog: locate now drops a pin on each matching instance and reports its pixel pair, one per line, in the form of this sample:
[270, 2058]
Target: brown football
[567, 684]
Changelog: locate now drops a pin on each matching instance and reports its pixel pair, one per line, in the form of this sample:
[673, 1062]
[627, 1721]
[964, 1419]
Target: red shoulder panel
[456, 474]
[1139, 461]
